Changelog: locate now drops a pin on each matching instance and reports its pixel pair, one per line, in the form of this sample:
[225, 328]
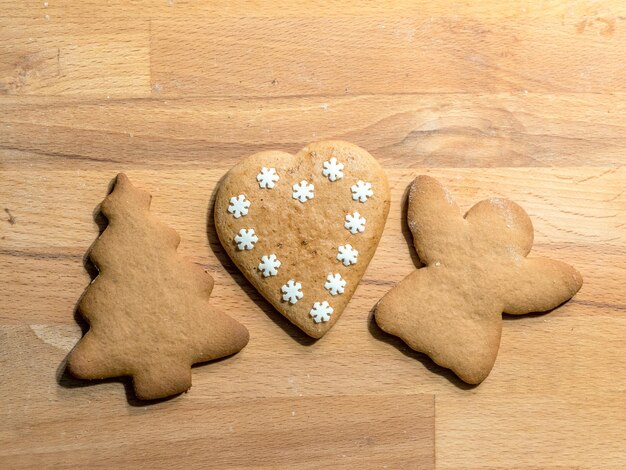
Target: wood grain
[39, 56]
[337, 56]
[524, 100]
[506, 9]
[408, 131]
[226, 431]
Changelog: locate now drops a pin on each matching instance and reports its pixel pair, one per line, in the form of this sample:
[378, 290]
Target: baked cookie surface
[476, 268]
[148, 308]
[302, 228]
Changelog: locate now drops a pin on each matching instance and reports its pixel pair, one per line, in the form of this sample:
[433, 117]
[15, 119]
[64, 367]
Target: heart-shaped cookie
[303, 228]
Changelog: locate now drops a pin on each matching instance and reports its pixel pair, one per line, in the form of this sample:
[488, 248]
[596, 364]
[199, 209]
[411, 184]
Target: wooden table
[514, 98]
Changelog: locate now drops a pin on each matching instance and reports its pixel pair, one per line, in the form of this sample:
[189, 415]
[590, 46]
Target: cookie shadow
[90, 267]
[426, 361]
[216, 247]
[512, 317]
[406, 231]
[63, 377]
[66, 380]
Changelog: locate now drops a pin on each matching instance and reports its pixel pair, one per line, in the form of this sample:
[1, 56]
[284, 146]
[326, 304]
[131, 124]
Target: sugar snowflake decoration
[347, 255]
[303, 191]
[332, 169]
[267, 178]
[321, 311]
[269, 265]
[292, 291]
[238, 206]
[246, 239]
[355, 223]
[335, 284]
[361, 191]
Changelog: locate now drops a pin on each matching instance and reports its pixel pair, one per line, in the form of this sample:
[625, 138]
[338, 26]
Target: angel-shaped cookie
[475, 269]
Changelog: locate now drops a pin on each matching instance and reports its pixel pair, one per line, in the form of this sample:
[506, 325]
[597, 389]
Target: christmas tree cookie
[148, 309]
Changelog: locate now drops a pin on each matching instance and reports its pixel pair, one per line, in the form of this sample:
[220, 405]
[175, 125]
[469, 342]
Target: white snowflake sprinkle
[332, 169]
[335, 284]
[238, 206]
[347, 255]
[321, 311]
[303, 191]
[267, 178]
[246, 239]
[292, 291]
[361, 191]
[355, 223]
[269, 265]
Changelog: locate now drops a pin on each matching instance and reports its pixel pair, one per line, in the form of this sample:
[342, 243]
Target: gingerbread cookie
[302, 228]
[148, 309]
[476, 267]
